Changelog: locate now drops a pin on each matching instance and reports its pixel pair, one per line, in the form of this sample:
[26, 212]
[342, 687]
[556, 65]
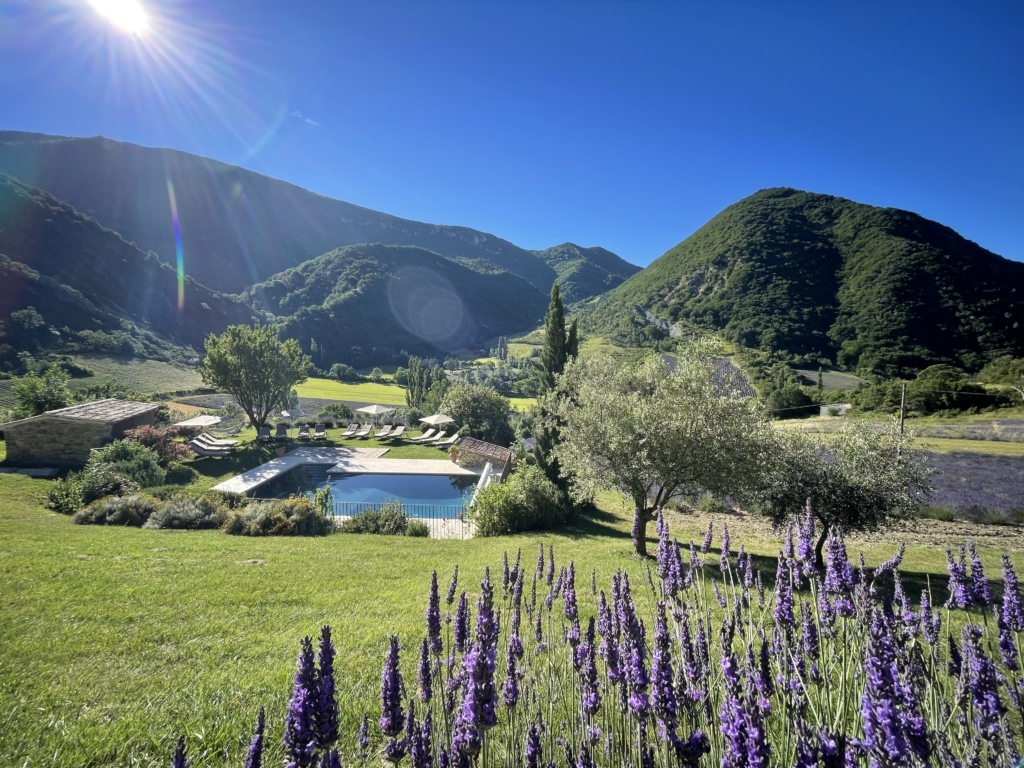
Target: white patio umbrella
[437, 420]
[294, 413]
[376, 410]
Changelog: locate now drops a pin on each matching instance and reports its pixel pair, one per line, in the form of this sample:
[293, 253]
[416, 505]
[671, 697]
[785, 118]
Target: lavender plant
[692, 665]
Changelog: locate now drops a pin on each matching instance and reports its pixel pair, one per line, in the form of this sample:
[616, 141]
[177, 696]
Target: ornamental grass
[696, 663]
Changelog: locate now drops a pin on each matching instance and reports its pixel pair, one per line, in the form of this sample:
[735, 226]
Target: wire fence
[444, 521]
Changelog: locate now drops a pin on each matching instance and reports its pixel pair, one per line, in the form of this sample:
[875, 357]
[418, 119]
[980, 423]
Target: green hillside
[79, 277]
[373, 303]
[586, 272]
[237, 227]
[819, 277]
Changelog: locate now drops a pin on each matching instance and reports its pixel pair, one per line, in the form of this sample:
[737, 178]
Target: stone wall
[135, 422]
[51, 442]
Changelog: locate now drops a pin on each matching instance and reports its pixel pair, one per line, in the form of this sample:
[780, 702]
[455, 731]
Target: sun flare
[129, 15]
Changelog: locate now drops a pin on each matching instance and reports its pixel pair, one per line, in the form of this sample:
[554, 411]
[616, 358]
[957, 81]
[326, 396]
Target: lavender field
[973, 482]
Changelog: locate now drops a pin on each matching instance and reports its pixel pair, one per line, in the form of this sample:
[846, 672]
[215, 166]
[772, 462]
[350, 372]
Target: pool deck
[347, 460]
[246, 481]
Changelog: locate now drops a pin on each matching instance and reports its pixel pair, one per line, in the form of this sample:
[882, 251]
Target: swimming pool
[411, 490]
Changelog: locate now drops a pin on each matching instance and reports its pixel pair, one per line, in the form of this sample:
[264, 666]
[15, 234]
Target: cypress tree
[552, 355]
[572, 342]
[414, 390]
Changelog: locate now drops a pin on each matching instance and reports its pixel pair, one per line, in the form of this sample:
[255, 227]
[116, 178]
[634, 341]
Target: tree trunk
[641, 516]
[819, 560]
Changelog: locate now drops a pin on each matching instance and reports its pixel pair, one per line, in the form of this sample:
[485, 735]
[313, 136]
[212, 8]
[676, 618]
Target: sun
[129, 15]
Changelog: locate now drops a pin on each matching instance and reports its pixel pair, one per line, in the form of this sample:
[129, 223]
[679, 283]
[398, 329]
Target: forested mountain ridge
[821, 277]
[369, 303]
[586, 272]
[238, 227]
[77, 275]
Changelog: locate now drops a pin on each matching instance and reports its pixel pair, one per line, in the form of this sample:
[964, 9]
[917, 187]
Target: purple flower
[434, 617]
[892, 563]
[516, 571]
[570, 608]
[551, 565]
[838, 570]
[1007, 644]
[590, 691]
[983, 685]
[809, 638]
[783, 594]
[690, 751]
[452, 586]
[540, 562]
[325, 718]
[960, 595]
[724, 557]
[300, 729]
[506, 574]
[663, 696]
[425, 679]
[364, 737]
[805, 541]
[462, 623]
[179, 760]
[254, 757]
[330, 760]
[585, 759]
[706, 545]
[392, 692]
[732, 715]
[538, 628]
[980, 594]
[510, 688]
[955, 664]
[1013, 613]
[533, 751]
[931, 621]
[719, 597]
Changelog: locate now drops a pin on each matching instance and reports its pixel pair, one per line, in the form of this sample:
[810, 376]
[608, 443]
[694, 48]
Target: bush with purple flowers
[694, 663]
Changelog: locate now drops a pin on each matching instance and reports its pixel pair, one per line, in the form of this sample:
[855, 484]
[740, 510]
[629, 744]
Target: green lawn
[114, 640]
[363, 392]
[946, 445]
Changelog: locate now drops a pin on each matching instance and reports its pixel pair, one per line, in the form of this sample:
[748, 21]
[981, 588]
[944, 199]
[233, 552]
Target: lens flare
[177, 245]
[129, 15]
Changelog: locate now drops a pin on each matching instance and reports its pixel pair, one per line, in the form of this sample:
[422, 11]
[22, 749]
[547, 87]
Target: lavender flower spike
[254, 757]
[300, 729]
[979, 584]
[805, 541]
[960, 595]
[325, 718]
[783, 594]
[392, 692]
[179, 760]
[434, 617]
[724, 558]
[364, 737]
[424, 678]
[452, 587]
[706, 545]
[1013, 612]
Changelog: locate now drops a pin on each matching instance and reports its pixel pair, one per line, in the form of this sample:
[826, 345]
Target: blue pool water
[411, 490]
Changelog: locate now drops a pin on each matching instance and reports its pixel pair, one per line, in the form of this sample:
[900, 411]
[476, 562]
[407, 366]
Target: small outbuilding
[473, 453]
[64, 437]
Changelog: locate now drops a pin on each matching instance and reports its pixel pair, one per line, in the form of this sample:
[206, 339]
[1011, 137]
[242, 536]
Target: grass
[947, 445]
[114, 640]
[831, 379]
[362, 392]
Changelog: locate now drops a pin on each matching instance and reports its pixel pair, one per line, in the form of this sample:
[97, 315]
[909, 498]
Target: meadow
[115, 640]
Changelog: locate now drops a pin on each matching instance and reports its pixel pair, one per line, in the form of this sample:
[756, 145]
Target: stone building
[475, 454]
[64, 437]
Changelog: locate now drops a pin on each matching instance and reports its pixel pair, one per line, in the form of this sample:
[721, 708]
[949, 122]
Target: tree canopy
[656, 435]
[480, 409]
[35, 394]
[254, 367]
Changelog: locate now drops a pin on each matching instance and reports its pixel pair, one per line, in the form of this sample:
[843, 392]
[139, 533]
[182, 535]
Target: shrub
[334, 412]
[133, 461]
[389, 520]
[296, 516]
[164, 492]
[417, 529]
[100, 480]
[936, 513]
[66, 495]
[160, 441]
[708, 503]
[132, 510]
[527, 500]
[187, 512]
[180, 474]
[343, 372]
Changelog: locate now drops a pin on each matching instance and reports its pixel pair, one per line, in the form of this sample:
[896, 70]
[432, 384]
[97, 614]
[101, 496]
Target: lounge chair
[304, 432]
[320, 432]
[352, 429]
[205, 450]
[384, 432]
[214, 442]
[282, 432]
[264, 434]
[397, 432]
[441, 435]
[226, 431]
[429, 434]
[364, 431]
[445, 443]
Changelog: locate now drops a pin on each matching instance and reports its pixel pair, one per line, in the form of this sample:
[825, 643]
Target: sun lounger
[214, 442]
[264, 434]
[445, 443]
[320, 432]
[430, 433]
[384, 432]
[364, 431]
[226, 431]
[441, 435]
[352, 429]
[204, 450]
[304, 432]
[282, 432]
[397, 432]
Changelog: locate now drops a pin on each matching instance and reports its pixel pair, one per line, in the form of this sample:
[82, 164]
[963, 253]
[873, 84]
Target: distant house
[476, 453]
[64, 437]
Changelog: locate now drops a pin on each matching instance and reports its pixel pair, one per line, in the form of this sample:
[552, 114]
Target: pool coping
[347, 460]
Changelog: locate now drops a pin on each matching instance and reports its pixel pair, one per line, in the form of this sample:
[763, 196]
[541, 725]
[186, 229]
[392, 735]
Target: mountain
[816, 276]
[586, 272]
[238, 227]
[78, 276]
[364, 304]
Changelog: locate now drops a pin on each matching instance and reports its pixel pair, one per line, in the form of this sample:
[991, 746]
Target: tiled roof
[110, 410]
[488, 450]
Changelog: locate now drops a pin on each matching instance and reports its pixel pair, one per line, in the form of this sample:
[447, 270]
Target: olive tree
[254, 367]
[484, 411]
[655, 435]
[860, 479]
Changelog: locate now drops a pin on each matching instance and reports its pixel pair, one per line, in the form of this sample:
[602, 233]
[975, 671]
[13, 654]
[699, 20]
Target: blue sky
[624, 125]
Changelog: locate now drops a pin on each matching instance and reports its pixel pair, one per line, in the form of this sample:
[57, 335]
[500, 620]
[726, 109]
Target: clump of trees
[254, 367]
[427, 385]
[479, 410]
